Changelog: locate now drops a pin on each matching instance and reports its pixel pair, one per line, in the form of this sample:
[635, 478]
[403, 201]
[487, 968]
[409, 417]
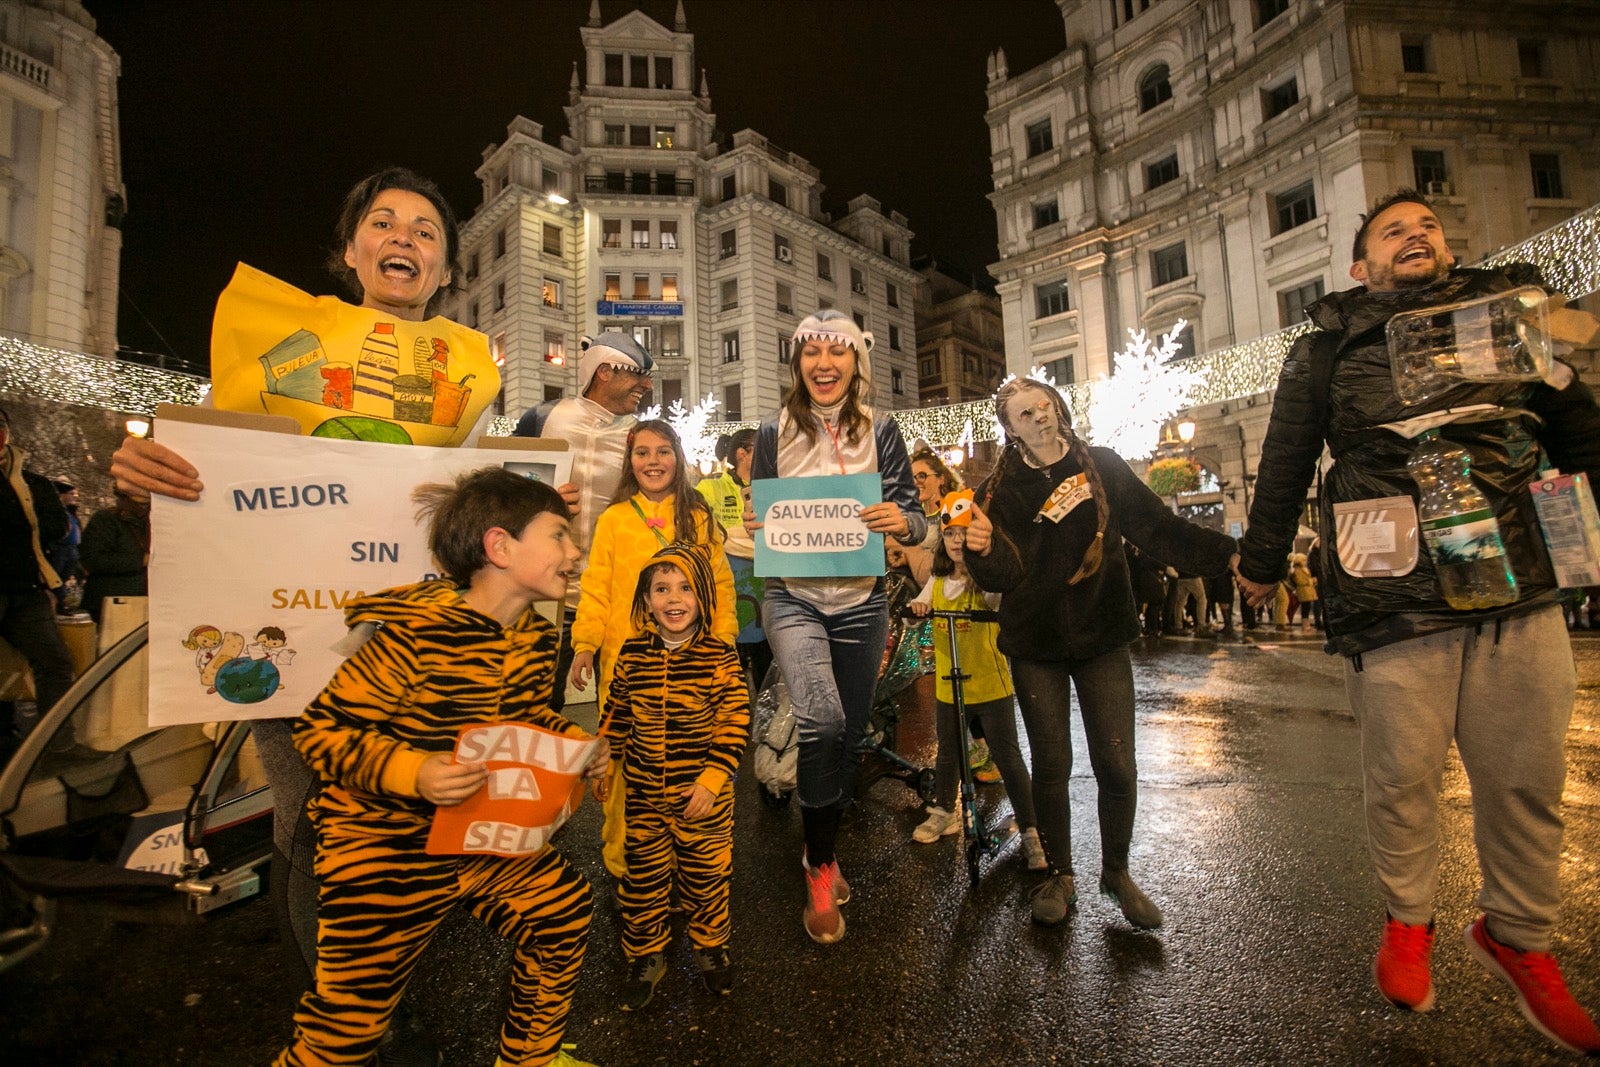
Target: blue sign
[637, 307]
[812, 526]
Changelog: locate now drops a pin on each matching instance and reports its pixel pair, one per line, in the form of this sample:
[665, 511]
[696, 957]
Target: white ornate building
[1209, 159]
[61, 192]
[643, 218]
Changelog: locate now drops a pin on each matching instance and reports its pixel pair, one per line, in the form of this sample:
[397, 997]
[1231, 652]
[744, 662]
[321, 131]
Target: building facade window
[784, 298]
[671, 343]
[1161, 172]
[730, 294]
[550, 293]
[1292, 303]
[613, 287]
[861, 320]
[728, 244]
[1155, 87]
[891, 294]
[472, 315]
[552, 240]
[785, 348]
[897, 381]
[1280, 98]
[824, 267]
[613, 68]
[639, 71]
[641, 287]
[1267, 10]
[732, 403]
[894, 337]
[777, 192]
[500, 297]
[1169, 264]
[1533, 59]
[1294, 207]
[640, 231]
[555, 347]
[668, 229]
[858, 281]
[730, 347]
[610, 233]
[665, 136]
[1431, 173]
[1038, 136]
[616, 134]
[1051, 299]
[499, 244]
[1046, 213]
[664, 73]
[781, 250]
[729, 187]
[669, 288]
[1546, 175]
[1415, 55]
[1061, 370]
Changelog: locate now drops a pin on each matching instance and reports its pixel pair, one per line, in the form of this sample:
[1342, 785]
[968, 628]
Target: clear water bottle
[1459, 528]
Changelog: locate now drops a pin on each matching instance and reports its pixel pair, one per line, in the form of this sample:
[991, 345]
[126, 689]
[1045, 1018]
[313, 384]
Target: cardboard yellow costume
[347, 372]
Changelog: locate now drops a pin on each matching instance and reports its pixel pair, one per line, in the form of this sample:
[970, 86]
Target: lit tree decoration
[1127, 410]
[699, 445]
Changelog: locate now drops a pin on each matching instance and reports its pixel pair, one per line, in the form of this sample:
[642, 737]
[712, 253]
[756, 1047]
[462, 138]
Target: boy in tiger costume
[679, 719]
[439, 655]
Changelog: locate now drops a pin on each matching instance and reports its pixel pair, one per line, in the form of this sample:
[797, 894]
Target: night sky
[243, 123]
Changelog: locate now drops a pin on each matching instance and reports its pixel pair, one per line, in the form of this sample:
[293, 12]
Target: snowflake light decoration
[699, 444]
[1127, 410]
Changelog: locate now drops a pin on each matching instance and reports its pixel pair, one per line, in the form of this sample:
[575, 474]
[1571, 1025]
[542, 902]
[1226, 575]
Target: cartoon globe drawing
[247, 681]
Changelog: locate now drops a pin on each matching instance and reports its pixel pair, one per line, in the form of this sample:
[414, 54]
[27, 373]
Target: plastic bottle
[1459, 528]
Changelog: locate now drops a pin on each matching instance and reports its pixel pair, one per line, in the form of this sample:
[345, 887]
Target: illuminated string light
[1568, 255]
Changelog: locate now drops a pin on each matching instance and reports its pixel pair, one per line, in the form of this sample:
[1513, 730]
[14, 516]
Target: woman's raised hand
[142, 467]
[980, 532]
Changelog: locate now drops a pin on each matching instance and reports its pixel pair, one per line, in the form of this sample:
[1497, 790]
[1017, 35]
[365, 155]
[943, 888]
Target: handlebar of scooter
[976, 615]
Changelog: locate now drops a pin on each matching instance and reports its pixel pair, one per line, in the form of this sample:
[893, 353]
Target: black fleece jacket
[1031, 561]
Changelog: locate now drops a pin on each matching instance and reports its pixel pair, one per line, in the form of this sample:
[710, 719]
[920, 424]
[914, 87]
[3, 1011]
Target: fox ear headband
[956, 508]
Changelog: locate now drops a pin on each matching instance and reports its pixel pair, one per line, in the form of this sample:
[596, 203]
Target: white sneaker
[940, 823]
[1033, 849]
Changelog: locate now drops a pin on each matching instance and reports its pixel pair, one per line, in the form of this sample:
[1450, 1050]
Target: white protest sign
[248, 584]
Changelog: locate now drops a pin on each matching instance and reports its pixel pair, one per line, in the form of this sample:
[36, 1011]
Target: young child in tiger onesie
[439, 655]
[679, 719]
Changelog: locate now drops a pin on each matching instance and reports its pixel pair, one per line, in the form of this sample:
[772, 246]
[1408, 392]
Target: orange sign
[535, 784]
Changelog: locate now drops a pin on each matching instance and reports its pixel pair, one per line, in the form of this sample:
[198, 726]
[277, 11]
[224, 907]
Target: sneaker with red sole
[1541, 991]
[1401, 966]
[822, 918]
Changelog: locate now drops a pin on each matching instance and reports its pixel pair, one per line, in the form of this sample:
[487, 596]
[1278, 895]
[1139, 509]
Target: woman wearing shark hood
[828, 634]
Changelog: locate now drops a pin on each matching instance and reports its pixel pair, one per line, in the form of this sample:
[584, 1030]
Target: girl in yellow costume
[644, 518]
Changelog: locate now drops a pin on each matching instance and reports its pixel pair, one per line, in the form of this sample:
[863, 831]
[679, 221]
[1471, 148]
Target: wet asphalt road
[1249, 836]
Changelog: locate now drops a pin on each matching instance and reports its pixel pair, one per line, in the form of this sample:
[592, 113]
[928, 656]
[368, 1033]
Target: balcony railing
[25, 67]
[638, 185]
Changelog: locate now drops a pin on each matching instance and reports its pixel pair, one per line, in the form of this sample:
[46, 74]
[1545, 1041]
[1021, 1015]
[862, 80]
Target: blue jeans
[1105, 700]
[830, 665]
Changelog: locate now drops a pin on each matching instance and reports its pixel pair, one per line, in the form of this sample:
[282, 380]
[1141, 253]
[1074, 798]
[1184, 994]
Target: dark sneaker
[1136, 907]
[643, 974]
[822, 918]
[1053, 898]
[1541, 991]
[715, 968]
[1401, 965]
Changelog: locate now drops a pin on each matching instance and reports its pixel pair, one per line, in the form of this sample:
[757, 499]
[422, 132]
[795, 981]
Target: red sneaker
[1401, 966]
[1541, 991]
[822, 918]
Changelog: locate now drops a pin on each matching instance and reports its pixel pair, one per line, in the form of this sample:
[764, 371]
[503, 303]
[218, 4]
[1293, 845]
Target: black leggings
[1104, 686]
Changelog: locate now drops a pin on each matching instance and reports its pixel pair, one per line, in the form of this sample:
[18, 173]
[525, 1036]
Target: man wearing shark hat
[613, 378]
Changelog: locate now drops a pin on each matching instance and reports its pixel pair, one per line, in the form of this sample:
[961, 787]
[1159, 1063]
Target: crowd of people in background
[665, 617]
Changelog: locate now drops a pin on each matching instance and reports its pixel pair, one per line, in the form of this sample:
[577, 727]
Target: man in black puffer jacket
[1499, 681]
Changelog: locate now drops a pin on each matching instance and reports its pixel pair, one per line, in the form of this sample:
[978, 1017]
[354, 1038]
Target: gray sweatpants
[1504, 693]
